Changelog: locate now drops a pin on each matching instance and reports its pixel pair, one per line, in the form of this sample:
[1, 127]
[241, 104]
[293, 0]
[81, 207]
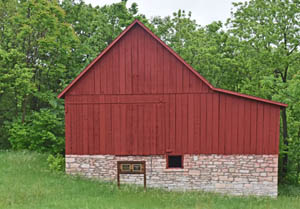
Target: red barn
[139, 101]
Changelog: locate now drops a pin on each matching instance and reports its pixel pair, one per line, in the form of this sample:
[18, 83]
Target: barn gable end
[138, 64]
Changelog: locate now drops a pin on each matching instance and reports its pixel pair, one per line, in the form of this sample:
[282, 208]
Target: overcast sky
[204, 11]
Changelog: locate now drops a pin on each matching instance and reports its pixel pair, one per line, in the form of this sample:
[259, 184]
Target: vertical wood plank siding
[139, 99]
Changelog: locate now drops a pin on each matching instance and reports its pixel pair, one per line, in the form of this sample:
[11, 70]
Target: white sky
[204, 11]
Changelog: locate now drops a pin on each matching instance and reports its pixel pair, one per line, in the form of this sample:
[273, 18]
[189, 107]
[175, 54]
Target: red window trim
[167, 164]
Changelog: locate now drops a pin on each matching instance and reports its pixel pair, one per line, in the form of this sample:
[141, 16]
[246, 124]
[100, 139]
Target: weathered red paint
[138, 97]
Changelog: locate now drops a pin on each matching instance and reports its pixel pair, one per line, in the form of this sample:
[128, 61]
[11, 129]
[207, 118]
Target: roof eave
[282, 105]
[62, 94]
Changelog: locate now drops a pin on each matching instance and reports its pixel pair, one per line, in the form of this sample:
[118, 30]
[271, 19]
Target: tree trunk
[24, 109]
[298, 172]
[285, 142]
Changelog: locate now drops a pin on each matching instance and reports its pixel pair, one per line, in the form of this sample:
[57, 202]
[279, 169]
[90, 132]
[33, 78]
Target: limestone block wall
[231, 174]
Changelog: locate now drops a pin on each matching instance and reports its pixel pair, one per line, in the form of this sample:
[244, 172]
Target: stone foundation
[231, 174]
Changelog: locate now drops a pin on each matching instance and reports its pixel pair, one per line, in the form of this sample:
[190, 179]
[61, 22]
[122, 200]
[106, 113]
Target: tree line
[46, 43]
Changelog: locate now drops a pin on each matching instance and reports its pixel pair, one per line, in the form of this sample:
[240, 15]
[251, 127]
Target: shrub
[56, 162]
[43, 131]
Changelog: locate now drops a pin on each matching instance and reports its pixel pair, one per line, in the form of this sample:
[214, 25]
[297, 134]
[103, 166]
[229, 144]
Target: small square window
[175, 161]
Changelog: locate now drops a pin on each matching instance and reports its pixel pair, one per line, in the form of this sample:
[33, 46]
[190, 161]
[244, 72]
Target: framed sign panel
[131, 167]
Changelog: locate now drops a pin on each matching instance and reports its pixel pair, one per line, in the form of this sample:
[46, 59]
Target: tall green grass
[27, 183]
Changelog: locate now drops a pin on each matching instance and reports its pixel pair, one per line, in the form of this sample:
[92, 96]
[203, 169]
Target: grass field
[27, 183]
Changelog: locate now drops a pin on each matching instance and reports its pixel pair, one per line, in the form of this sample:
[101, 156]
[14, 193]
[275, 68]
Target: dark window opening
[175, 161]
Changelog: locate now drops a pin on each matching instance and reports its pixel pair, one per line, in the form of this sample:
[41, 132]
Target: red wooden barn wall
[139, 99]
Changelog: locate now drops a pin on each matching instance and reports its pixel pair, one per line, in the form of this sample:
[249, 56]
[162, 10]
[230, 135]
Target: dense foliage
[45, 44]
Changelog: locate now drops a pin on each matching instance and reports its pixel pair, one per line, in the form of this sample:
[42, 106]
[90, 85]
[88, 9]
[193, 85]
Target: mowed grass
[27, 183]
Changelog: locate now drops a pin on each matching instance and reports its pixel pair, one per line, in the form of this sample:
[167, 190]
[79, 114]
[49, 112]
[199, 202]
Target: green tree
[35, 58]
[268, 31]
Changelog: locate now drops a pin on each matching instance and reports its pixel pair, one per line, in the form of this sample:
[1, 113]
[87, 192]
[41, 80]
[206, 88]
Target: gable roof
[62, 94]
